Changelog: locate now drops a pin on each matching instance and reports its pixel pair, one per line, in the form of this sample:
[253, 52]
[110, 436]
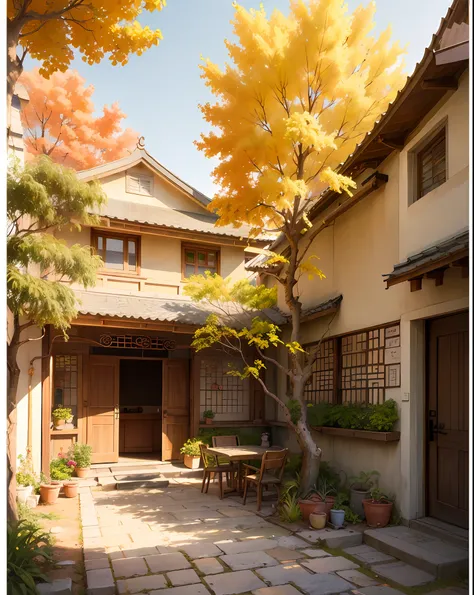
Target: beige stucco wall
[165, 195]
[354, 253]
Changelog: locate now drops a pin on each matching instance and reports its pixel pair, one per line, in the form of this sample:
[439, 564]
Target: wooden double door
[101, 407]
[447, 430]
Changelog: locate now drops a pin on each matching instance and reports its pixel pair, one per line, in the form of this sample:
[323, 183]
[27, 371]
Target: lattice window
[363, 367]
[321, 385]
[227, 396]
[66, 382]
[137, 342]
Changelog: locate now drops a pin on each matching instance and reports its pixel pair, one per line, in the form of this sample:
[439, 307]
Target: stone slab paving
[177, 541]
[368, 554]
[403, 574]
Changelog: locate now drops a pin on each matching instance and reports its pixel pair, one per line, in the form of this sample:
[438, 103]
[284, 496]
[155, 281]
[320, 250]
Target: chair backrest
[225, 441]
[274, 461]
[209, 459]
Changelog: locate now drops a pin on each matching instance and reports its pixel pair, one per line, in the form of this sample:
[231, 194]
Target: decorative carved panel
[137, 342]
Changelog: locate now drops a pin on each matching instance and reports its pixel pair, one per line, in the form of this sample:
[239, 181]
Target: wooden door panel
[448, 419]
[175, 426]
[102, 408]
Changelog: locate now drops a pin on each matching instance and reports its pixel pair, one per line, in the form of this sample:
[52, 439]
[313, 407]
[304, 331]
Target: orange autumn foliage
[59, 121]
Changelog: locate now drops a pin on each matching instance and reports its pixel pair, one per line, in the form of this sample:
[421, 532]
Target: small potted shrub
[60, 416]
[378, 508]
[82, 455]
[315, 501]
[324, 495]
[192, 453]
[208, 416]
[25, 479]
[337, 511]
[288, 506]
[62, 468]
[360, 490]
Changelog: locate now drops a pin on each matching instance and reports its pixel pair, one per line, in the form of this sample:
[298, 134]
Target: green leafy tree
[43, 197]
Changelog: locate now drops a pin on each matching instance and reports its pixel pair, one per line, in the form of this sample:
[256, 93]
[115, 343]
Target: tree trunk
[311, 456]
[14, 376]
[14, 65]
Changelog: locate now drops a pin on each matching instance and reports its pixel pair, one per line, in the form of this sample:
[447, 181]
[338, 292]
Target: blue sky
[160, 90]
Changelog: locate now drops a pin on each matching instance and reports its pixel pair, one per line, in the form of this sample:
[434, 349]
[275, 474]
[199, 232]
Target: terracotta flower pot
[208, 421]
[70, 489]
[82, 471]
[307, 507]
[328, 504]
[49, 492]
[317, 520]
[377, 514]
[192, 462]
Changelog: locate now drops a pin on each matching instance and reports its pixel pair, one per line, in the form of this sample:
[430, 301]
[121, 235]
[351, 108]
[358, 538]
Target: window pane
[201, 258]
[190, 256]
[211, 258]
[189, 270]
[100, 243]
[132, 255]
[114, 253]
[201, 270]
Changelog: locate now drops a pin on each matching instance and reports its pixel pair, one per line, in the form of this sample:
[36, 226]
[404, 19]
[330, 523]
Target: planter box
[364, 434]
[192, 462]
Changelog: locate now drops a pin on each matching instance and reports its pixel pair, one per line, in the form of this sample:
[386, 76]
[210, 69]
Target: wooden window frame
[96, 233]
[128, 188]
[198, 248]
[428, 146]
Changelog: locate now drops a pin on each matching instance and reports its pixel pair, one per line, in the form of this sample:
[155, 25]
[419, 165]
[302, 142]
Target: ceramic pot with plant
[325, 494]
[26, 479]
[70, 489]
[49, 490]
[192, 453]
[208, 416]
[337, 512]
[378, 509]
[81, 454]
[317, 520]
[61, 468]
[60, 416]
[360, 487]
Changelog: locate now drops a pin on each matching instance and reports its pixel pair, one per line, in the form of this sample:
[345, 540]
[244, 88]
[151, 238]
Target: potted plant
[208, 416]
[317, 520]
[25, 478]
[324, 495]
[62, 468]
[378, 508]
[192, 453]
[70, 488]
[337, 512]
[81, 454]
[360, 487]
[60, 416]
[311, 503]
[49, 490]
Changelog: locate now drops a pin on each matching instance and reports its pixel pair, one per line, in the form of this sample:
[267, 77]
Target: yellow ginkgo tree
[299, 92]
[51, 31]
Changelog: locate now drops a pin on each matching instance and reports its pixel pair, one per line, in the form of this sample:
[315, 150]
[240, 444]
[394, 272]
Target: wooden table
[239, 454]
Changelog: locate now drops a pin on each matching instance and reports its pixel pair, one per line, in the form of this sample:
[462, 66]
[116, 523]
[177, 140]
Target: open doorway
[140, 400]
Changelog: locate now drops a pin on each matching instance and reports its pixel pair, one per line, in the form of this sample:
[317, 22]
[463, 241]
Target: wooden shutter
[432, 165]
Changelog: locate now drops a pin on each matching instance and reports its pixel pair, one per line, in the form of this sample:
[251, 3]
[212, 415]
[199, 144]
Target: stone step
[135, 481]
[449, 533]
[423, 551]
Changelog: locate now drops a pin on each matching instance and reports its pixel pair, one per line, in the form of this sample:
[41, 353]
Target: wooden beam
[443, 82]
[437, 275]
[465, 272]
[396, 143]
[111, 322]
[415, 284]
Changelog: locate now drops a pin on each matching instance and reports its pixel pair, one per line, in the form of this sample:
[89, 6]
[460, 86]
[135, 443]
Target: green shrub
[59, 469]
[191, 447]
[378, 418]
[288, 508]
[61, 413]
[26, 475]
[81, 454]
[25, 545]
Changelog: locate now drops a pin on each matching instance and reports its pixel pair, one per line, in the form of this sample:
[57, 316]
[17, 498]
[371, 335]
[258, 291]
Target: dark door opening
[447, 428]
[140, 398]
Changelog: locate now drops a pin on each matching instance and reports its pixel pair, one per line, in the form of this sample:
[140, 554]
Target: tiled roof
[179, 309]
[170, 218]
[329, 305]
[432, 254]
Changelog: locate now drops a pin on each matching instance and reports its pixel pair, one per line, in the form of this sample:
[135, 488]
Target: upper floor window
[119, 252]
[197, 260]
[431, 165]
[138, 183]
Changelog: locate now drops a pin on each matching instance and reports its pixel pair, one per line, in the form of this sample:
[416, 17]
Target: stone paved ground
[183, 542]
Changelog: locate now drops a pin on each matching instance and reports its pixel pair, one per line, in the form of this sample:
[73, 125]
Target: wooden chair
[222, 461]
[212, 468]
[269, 474]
